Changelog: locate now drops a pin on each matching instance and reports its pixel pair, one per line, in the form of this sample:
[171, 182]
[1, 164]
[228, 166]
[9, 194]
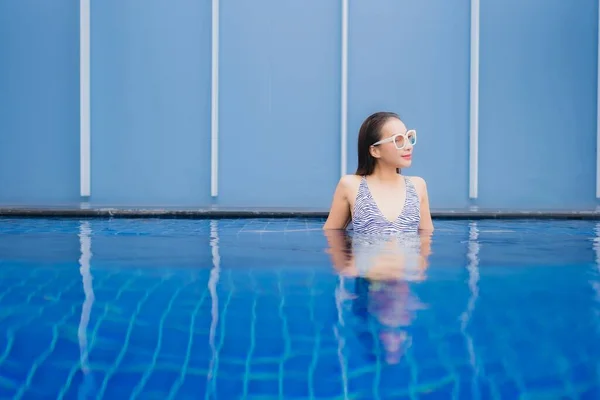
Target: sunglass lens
[400, 142]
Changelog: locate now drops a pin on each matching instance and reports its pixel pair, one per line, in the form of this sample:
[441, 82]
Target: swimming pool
[254, 308]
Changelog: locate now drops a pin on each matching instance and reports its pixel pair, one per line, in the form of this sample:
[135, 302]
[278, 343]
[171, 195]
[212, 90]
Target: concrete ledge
[219, 212]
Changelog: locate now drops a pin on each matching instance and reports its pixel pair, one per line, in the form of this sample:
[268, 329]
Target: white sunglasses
[400, 139]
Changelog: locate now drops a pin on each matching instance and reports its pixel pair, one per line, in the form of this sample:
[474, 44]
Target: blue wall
[280, 99]
[150, 85]
[39, 101]
[538, 103]
[279, 102]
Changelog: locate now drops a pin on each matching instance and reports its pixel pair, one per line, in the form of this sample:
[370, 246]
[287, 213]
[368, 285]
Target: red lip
[407, 157]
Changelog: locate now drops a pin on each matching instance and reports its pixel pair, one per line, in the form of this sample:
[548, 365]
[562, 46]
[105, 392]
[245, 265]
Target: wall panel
[279, 103]
[39, 102]
[537, 146]
[150, 96]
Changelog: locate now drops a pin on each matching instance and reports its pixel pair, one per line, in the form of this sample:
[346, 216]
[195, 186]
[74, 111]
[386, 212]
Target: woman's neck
[385, 174]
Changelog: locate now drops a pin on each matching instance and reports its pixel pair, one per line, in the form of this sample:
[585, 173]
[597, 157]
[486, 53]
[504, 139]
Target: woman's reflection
[383, 268]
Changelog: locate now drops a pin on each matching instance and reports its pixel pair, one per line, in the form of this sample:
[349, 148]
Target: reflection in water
[596, 285]
[380, 258]
[382, 268]
[212, 287]
[341, 297]
[473, 269]
[85, 242]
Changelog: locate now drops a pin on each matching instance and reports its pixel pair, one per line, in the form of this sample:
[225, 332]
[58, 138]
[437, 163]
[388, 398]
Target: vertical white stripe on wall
[344, 92]
[84, 99]
[214, 104]
[598, 112]
[474, 103]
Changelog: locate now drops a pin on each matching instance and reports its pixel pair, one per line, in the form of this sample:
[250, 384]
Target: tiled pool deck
[86, 211]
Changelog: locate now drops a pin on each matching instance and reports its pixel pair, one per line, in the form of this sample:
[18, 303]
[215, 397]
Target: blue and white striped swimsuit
[368, 218]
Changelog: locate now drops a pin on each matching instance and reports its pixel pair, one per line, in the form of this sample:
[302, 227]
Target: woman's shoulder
[419, 183]
[416, 179]
[350, 181]
[349, 184]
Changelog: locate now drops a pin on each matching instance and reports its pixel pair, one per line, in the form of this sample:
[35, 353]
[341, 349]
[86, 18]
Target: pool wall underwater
[280, 101]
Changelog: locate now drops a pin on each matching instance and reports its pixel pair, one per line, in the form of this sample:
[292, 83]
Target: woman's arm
[339, 213]
[426, 223]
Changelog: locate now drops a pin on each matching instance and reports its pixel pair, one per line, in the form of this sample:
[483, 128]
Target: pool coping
[84, 211]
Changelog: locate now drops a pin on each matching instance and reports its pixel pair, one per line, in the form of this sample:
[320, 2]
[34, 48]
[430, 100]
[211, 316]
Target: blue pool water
[267, 309]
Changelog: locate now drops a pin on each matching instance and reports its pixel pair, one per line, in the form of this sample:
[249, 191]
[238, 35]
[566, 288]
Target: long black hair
[370, 133]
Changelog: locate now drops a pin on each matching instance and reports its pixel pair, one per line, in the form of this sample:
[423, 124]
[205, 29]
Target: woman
[377, 198]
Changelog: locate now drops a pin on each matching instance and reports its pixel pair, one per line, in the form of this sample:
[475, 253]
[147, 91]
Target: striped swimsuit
[368, 218]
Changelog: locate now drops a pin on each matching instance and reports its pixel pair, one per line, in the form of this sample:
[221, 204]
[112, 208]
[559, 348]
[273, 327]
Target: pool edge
[274, 213]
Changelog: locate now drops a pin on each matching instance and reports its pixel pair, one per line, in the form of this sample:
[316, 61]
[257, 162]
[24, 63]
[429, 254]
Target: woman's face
[396, 152]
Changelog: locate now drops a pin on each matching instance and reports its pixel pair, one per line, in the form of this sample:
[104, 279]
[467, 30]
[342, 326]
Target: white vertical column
[84, 99]
[474, 103]
[214, 103]
[344, 92]
[598, 113]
